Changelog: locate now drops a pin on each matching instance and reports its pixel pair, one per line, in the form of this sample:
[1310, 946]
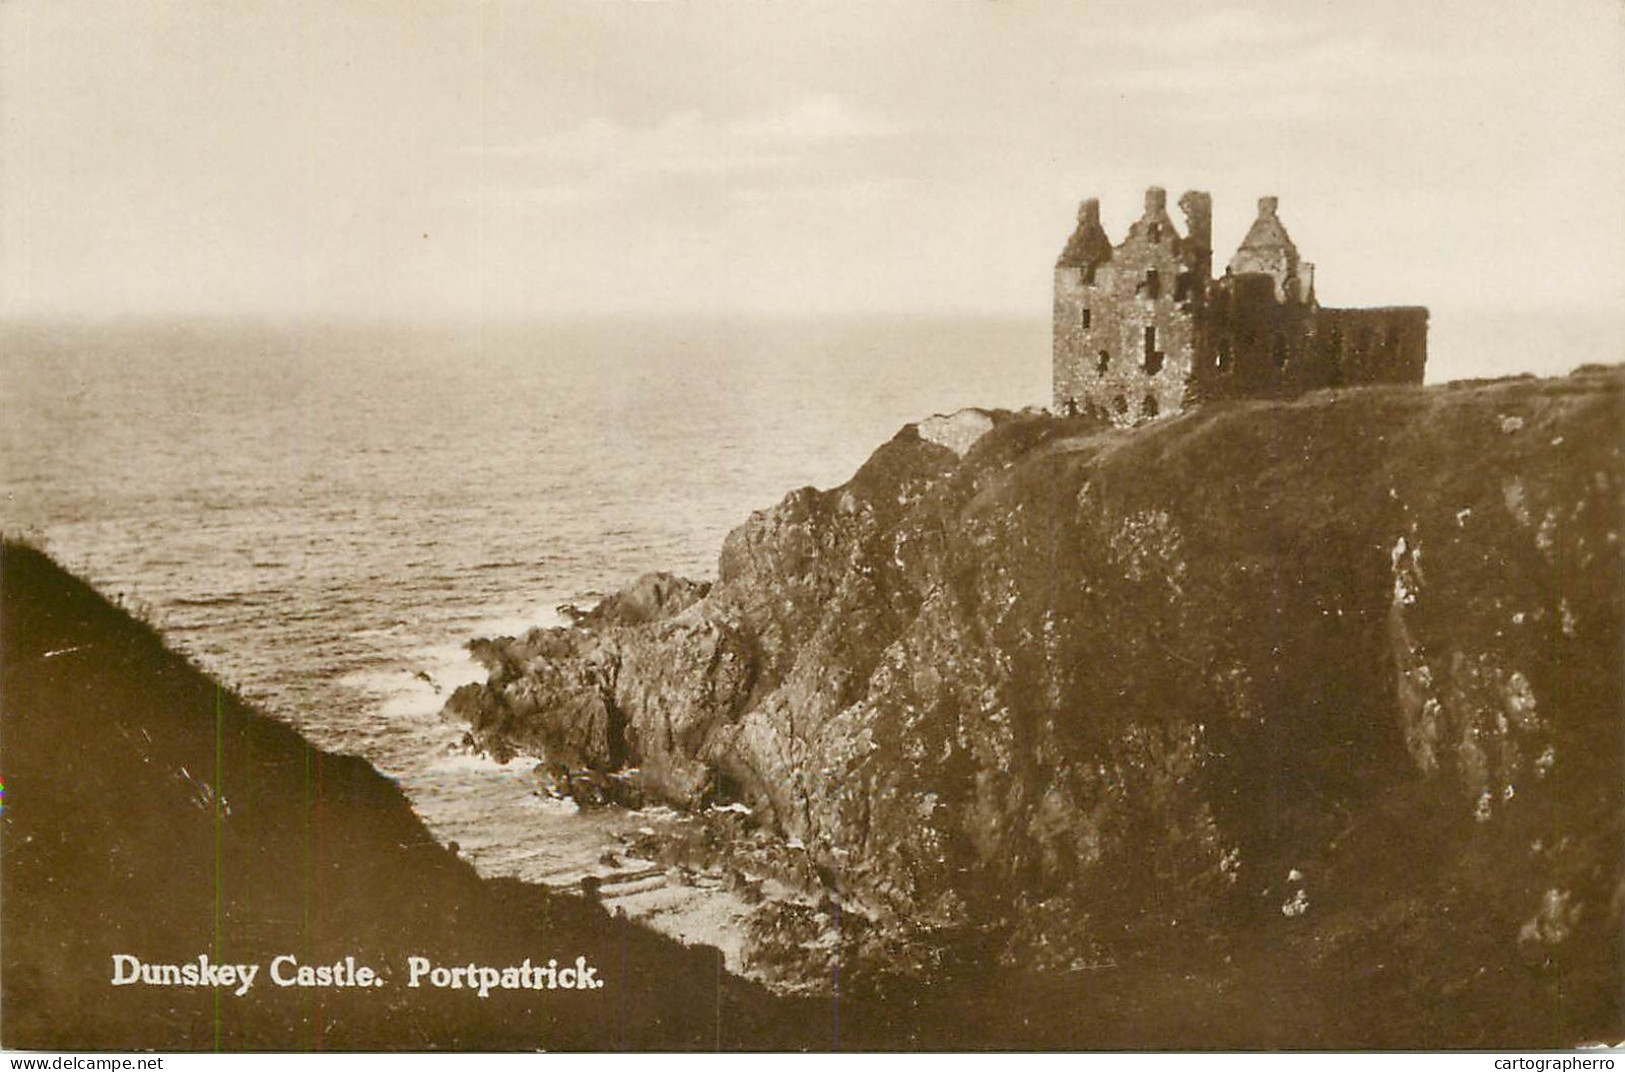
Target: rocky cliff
[1327, 691]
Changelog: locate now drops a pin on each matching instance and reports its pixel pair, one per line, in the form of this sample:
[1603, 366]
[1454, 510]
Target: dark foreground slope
[1272, 724]
[149, 812]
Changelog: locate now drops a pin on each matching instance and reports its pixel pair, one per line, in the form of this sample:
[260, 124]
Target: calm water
[321, 516]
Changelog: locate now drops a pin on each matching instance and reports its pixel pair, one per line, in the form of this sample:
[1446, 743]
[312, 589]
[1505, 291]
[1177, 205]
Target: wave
[227, 600]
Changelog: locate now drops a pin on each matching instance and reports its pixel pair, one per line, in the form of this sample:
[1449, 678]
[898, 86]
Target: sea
[322, 516]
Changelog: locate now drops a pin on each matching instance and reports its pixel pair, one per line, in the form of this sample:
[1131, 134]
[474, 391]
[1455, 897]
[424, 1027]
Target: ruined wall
[1069, 379]
[1258, 347]
[1141, 330]
[1127, 331]
[1261, 348]
[1387, 345]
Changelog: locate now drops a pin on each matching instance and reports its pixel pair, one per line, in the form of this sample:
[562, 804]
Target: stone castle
[1143, 330]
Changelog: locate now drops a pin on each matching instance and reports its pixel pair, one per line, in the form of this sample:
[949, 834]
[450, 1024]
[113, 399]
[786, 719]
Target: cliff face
[1340, 678]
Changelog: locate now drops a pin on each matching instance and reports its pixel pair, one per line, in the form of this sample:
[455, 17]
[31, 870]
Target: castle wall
[1142, 331]
[1125, 342]
[1069, 384]
[1387, 345]
[1261, 348]
[1257, 346]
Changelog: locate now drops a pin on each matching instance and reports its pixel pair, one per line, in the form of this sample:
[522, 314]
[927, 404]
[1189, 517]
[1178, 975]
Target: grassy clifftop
[1319, 700]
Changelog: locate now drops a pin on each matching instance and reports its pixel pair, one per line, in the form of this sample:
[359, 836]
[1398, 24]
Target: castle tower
[1126, 317]
[1269, 250]
[1142, 330]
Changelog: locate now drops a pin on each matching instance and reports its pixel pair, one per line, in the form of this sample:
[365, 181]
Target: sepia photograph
[707, 525]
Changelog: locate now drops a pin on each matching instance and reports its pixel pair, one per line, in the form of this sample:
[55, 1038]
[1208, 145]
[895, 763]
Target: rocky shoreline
[1329, 687]
[151, 814]
[1273, 726]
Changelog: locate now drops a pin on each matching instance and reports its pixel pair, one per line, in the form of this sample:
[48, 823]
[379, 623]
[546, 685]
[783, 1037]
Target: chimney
[1089, 211]
[1267, 205]
[1156, 200]
[1198, 209]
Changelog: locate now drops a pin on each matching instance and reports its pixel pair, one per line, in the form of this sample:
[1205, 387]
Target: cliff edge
[151, 814]
[1319, 700]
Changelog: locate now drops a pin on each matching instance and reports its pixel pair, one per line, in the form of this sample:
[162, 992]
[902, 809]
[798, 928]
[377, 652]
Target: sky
[459, 159]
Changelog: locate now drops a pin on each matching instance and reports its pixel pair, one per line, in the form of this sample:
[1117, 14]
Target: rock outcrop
[1334, 682]
[151, 813]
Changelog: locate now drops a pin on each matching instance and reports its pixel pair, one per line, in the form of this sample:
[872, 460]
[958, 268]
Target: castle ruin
[1143, 330]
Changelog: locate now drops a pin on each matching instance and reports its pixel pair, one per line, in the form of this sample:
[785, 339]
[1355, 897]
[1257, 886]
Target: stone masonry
[1142, 329]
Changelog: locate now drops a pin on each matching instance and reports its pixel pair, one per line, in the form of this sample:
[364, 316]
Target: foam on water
[323, 520]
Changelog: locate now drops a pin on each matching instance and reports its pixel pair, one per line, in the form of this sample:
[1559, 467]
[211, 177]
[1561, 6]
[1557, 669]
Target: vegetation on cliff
[151, 813]
[1321, 700]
